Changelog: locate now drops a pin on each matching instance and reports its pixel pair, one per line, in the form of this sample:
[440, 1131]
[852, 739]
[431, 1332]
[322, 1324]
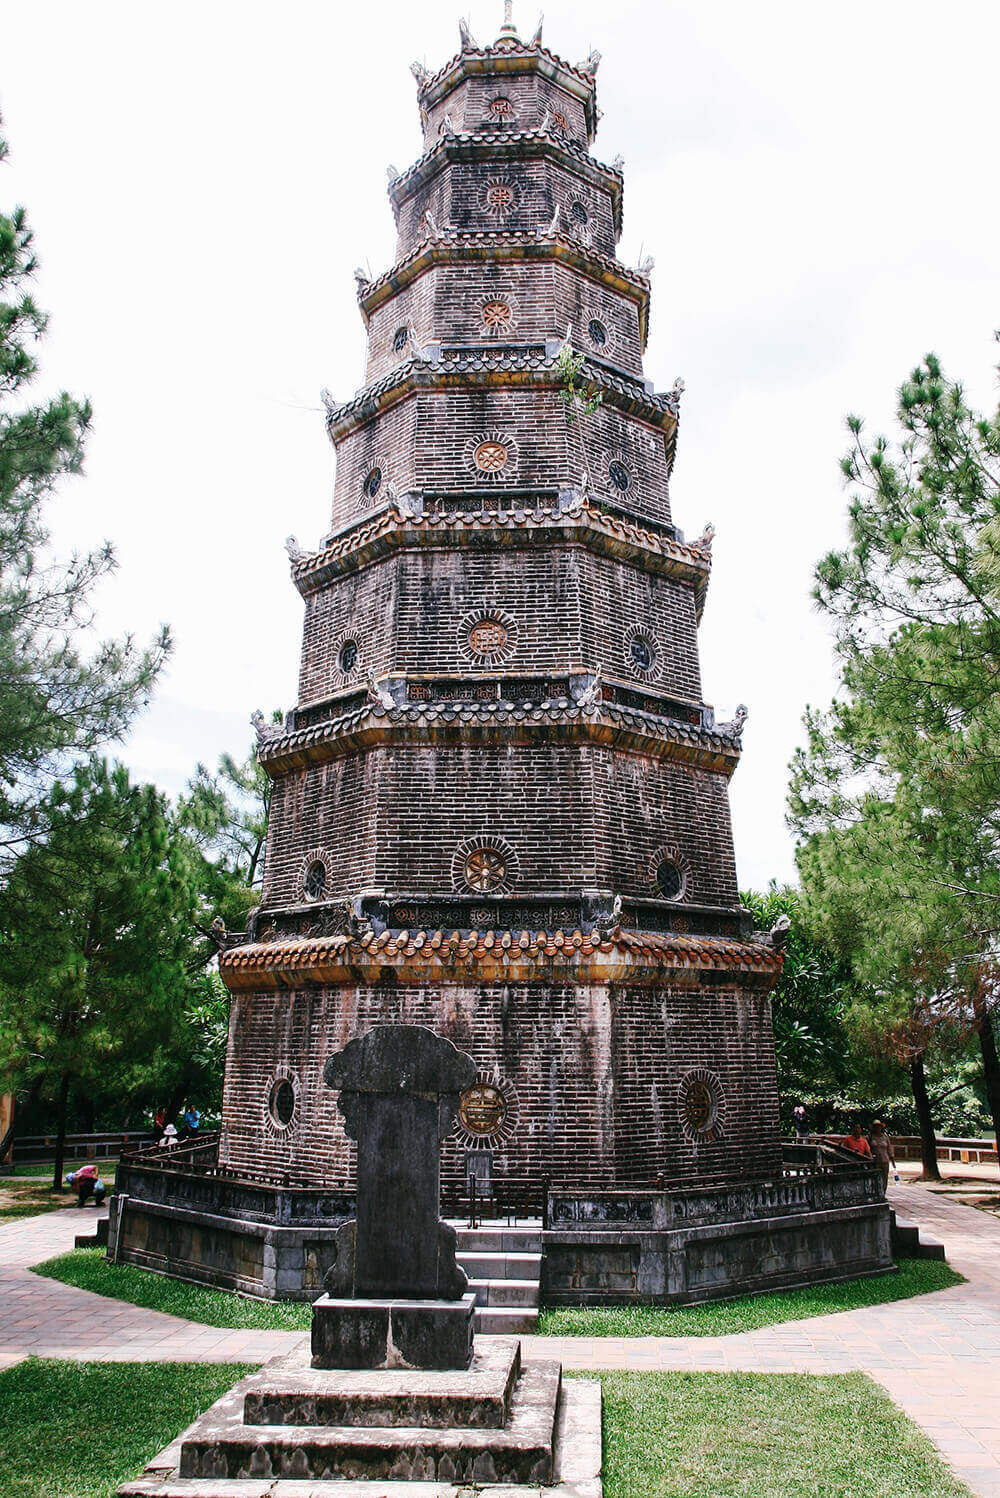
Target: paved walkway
[937, 1355]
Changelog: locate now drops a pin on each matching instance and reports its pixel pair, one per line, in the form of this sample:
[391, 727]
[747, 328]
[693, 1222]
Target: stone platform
[295, 1431]
[348, 1333]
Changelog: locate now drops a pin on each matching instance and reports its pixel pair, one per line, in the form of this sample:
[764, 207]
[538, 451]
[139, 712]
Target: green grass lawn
[914, 1277]
[79, 1430]
[88, 1269]
[766, 1435]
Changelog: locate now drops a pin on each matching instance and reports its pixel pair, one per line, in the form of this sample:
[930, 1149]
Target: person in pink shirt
[87, 1183]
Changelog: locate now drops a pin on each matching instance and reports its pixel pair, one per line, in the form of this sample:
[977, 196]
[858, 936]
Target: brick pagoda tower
[500, 806]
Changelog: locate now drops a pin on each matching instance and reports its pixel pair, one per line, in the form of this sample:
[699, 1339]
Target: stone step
[96, 1239]
[506, 1321]
[499, 1240]
[501, 1266]
[909, 1241]
[505, 1292]
[220, 1445]
[290, 1391]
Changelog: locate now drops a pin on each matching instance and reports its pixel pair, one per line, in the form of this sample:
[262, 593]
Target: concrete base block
[392, 1333]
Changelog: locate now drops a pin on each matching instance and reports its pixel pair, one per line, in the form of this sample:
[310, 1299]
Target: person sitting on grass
[856, 1142]
[87, 1183]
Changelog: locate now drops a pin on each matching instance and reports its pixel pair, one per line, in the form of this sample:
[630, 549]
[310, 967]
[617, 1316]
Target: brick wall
[529, 96]
[592, 1073]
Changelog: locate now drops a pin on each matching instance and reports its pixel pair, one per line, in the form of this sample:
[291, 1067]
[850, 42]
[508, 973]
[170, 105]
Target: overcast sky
[816, 183]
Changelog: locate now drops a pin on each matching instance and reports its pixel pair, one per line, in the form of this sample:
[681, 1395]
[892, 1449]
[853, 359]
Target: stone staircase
[908, 1243]
[504, 1266]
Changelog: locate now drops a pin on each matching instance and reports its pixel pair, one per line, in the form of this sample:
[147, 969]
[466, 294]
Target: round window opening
[372, 483]
[699, 1105]
[488, 636]
[669, 879]
[482, 1109]
[496, 314]
[619, 476]
[597, 332]
[282, 1102]
[348, 657]
[501, 108]
[641, 652]
[315, 880]
[485, 869]
[490, 457]
[578, 213]
[400, 339]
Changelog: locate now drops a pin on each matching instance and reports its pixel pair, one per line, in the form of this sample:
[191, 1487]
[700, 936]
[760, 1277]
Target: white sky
[817, 184]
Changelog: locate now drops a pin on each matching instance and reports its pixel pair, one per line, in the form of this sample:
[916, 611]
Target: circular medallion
[642, 653]
[347, 657]
[496, 315]
[370, 486]
[559, 122]
[501, 108]
[578, 213]
[641, 656]
[668, 873]
[490, 457]
[597, 332]
[400, 338]
[485, 870]
[701, 1106]
[315, 880]
[482, 1109]
[487, 637]
[499, 196]
[484, 865]
[281, 1103]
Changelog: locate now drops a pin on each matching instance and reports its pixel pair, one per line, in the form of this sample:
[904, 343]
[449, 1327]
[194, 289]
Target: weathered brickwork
[500, 705]
[594, 1075]
[482, 104]
[544, 299]
[444, 427]
[507, 194]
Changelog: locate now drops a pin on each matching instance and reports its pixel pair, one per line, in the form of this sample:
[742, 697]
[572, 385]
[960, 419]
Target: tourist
[192, 1121]
[159, 1123]
[801, 1123]
[87, 1183]
[856, 1141]
[168, 1138]
[882, 1151]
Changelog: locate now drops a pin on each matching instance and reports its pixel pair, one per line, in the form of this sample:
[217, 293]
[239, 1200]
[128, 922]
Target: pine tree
[896, 797]
[56, 701]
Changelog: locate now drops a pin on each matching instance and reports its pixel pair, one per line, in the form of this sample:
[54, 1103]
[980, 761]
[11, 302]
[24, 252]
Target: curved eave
[378, 536]
[459, 247]
[507, 61]
[422, 957]
[537, 370]
[500, 722]
[502, 146]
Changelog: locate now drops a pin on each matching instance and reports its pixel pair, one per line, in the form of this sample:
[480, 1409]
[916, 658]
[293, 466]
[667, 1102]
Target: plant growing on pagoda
[569, 367]
[896, 796]
[57, 700]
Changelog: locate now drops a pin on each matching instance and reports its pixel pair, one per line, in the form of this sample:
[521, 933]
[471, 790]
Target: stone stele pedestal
[396, 1296]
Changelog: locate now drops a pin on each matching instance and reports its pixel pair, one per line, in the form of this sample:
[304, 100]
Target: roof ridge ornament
[536, 40]
[468, 41]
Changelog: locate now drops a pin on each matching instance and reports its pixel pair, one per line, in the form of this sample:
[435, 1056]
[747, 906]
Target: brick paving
[938, 1355]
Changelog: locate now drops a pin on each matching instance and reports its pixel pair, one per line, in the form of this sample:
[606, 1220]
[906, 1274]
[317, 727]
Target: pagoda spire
[508, 31]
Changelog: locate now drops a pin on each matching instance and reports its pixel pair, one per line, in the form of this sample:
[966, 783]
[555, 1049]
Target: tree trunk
[174, 1102]
[928, 1142]
[991, 1067]
[61, 1105]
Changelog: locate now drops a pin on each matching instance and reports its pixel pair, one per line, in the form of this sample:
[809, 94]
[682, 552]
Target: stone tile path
[937, 1355]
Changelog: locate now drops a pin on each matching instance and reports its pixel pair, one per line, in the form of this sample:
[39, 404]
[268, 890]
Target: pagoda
[500, 805]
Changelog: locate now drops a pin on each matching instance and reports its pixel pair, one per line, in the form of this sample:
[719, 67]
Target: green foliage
[896, 796]
[569, 367]
[748, 1312]
[55, 702]
[95, 938]
[226, 814]
[809, 1003]
[763, 1435]
[80, 1430]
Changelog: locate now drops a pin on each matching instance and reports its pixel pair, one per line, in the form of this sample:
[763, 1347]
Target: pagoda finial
[508, 31]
